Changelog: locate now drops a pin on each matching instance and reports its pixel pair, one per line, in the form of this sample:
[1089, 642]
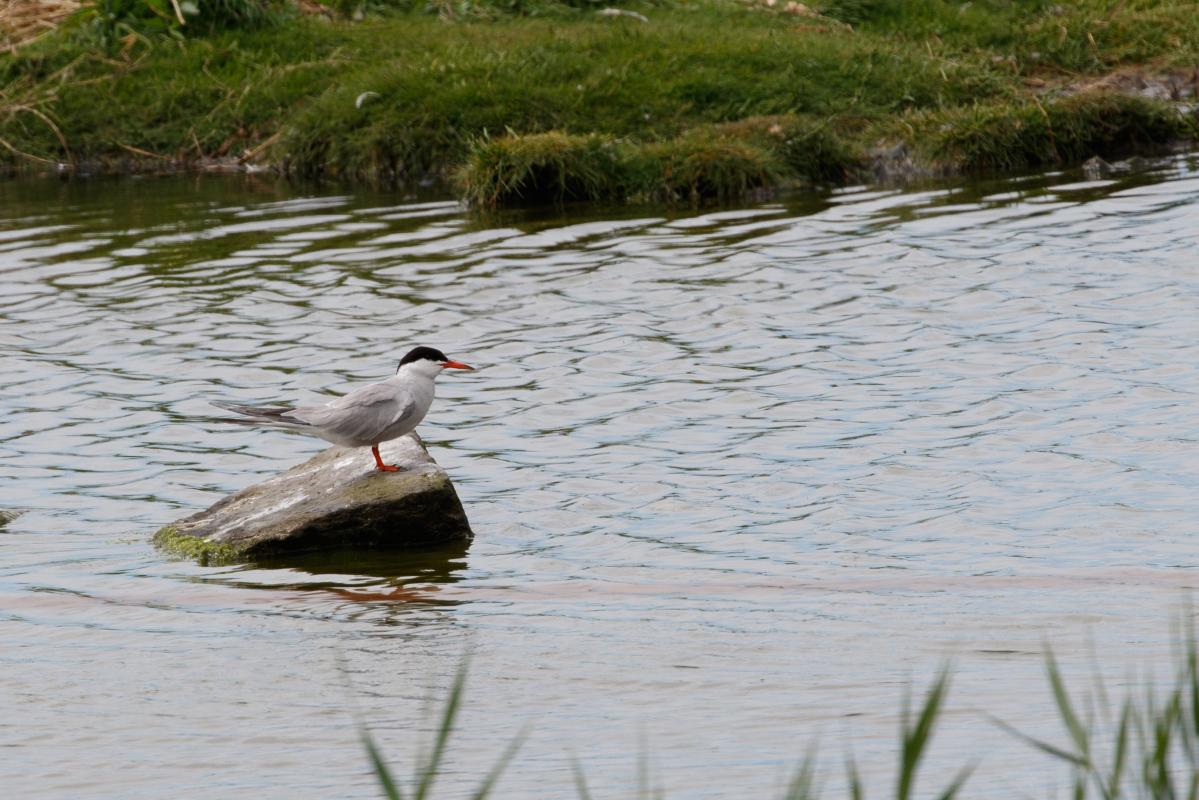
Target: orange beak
[456, 365]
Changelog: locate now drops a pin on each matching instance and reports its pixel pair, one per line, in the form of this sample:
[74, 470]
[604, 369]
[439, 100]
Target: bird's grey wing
[363, 415]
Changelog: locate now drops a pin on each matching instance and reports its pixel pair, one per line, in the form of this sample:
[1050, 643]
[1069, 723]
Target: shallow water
[737, 478]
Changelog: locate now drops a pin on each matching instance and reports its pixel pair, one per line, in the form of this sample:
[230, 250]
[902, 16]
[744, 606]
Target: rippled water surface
[737, 478]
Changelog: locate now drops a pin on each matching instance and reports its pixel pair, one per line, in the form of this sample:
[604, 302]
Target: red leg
[379, 461]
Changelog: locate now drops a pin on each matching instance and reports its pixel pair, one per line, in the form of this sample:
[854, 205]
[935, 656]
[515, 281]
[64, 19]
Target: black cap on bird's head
[425, 354]
[431, 354]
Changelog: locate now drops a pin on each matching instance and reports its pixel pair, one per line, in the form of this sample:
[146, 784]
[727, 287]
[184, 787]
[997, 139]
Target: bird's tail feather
[259, 414]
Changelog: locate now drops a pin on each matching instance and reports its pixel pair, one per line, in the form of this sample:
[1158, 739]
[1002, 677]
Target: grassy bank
[522, 101]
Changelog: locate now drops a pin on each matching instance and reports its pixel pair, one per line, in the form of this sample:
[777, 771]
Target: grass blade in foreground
[914, 741]
[390, 790]
[426, 772]
[1152, 746]
[916, 738]
[1152, 741]
[803, 785]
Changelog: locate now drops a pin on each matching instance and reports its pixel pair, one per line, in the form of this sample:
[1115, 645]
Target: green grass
[682, 107]
[733, 160]
[455, 84]
[1152, 739]
[558, 167]
[1009, 136]
[1144, 745]
[916, 731]
[1037, 35]
[429, 764]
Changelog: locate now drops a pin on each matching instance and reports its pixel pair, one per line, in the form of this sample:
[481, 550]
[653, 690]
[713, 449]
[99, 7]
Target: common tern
[367, 416]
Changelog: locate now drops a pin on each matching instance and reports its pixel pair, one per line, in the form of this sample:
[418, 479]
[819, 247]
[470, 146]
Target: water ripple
[754, 442]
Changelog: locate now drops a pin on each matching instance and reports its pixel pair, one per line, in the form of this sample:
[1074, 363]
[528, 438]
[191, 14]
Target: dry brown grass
[24, 20]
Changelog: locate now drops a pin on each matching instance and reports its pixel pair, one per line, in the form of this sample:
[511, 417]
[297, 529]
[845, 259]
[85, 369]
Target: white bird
[367, 416]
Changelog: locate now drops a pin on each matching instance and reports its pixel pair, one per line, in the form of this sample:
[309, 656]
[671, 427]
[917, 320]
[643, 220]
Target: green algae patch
[203, 550]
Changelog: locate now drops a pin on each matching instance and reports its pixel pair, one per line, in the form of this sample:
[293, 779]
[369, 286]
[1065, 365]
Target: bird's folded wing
[362, 415]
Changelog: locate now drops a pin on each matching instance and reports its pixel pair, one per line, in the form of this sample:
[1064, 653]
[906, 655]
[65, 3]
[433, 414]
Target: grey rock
[335, 500]
[1095, 168]
[895, 164]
